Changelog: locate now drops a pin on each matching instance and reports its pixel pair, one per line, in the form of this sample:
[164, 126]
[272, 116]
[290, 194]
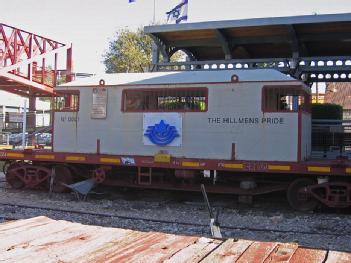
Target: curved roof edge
[181, 77]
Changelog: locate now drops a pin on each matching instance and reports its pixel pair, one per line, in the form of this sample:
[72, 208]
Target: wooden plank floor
[42, 239]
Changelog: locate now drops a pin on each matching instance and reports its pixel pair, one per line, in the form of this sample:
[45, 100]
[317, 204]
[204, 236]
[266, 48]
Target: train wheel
[63, 176]
[11, 178]
[298, 198]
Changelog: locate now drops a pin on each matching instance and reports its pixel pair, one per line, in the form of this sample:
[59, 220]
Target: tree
[131, 51]
[128, 52]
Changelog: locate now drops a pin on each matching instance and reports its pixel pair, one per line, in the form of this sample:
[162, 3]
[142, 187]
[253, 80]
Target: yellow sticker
[44, 156]
[110, 160]
[162, 158]
[322, 169]
[15, 155]
[190, 164]
[233, 165]
[75, 158]
[279, 167]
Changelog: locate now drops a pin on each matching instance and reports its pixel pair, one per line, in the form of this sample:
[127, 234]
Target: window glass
[192, 99]
[67, 101]
[289, 98]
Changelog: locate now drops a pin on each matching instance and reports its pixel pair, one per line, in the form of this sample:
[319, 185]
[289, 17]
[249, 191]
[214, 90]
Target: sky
[90, 24]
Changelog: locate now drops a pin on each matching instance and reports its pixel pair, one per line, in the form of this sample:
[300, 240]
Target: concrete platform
[42, 239]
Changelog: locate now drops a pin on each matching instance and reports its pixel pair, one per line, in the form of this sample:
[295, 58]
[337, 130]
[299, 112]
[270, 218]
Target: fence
[11, 125]
[331, 139]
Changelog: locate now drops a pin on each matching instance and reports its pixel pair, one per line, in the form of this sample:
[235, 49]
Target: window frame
[307, 97]
[68, 92]
[124, 91]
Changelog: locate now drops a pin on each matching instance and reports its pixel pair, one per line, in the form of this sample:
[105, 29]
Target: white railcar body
[233, 120]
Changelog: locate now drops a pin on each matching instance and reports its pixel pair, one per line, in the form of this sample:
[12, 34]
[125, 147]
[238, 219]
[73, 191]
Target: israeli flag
[178, 13]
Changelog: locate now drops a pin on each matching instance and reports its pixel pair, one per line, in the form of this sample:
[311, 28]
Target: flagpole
[155, 52]
[153, 22]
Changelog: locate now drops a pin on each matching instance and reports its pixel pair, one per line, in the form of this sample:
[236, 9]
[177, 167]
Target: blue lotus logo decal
[162, 133]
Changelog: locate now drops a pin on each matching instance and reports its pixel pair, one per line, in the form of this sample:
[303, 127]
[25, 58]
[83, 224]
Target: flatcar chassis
[308, 183]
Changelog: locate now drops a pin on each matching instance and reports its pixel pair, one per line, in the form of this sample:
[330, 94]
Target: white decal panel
[162, 129]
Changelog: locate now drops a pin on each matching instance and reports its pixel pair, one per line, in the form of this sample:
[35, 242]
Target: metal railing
[41, 137]
[12, 121]
[38, 129]
[331, 139]
[312, 69]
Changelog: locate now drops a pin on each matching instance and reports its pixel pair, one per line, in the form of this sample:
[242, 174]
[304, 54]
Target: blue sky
[89, 24]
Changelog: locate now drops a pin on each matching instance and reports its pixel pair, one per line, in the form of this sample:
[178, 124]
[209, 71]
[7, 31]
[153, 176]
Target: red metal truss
[28, 62]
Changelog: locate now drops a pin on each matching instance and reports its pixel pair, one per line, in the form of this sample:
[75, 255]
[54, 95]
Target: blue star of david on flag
[162, 133]
[178, 13]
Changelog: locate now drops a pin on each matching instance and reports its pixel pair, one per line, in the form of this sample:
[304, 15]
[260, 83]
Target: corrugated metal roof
[183, 77]
[339, 93]
[42, 239]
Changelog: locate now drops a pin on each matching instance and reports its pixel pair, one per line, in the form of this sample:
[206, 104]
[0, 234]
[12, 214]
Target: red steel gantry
[28, 64]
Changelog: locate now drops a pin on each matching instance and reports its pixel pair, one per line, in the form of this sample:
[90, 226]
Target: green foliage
[177, 105]
[131, 51]
[327, 111]
[128, 52]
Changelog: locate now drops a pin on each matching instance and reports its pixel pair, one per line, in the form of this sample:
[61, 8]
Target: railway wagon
[244, 132]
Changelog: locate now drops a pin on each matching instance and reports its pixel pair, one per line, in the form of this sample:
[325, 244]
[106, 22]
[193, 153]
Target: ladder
[144, 175]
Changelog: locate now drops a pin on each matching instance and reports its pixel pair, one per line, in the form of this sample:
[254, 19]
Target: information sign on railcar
[99, 104]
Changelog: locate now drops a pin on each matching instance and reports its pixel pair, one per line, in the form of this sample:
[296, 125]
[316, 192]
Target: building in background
[321, 97]
[318, 92]
[10, 103]
[339, 93]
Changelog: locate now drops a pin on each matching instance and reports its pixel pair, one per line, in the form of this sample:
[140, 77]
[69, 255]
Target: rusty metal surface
[42, 239]
[308, 255]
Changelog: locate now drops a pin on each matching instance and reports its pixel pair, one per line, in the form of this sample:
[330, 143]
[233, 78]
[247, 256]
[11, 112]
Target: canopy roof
[277, 37]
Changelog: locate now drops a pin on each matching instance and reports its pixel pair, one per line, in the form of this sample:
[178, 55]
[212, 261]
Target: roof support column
[155, 54]
[295, 48]
[294, 41]
[160, 48]
[32, 115]
[69, 65]
[224, 43]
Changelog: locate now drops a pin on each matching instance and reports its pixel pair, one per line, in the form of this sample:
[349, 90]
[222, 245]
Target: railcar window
[151, 100]
[282, 99]
[67, 102]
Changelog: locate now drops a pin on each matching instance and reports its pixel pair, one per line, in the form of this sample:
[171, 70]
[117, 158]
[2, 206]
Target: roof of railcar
[181, 77]
[272, 37]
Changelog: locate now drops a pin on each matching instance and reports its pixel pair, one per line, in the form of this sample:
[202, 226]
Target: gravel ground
[322, 229]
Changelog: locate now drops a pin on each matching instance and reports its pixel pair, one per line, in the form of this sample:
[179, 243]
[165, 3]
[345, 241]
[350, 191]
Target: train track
[168, 222]
[7, 218]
